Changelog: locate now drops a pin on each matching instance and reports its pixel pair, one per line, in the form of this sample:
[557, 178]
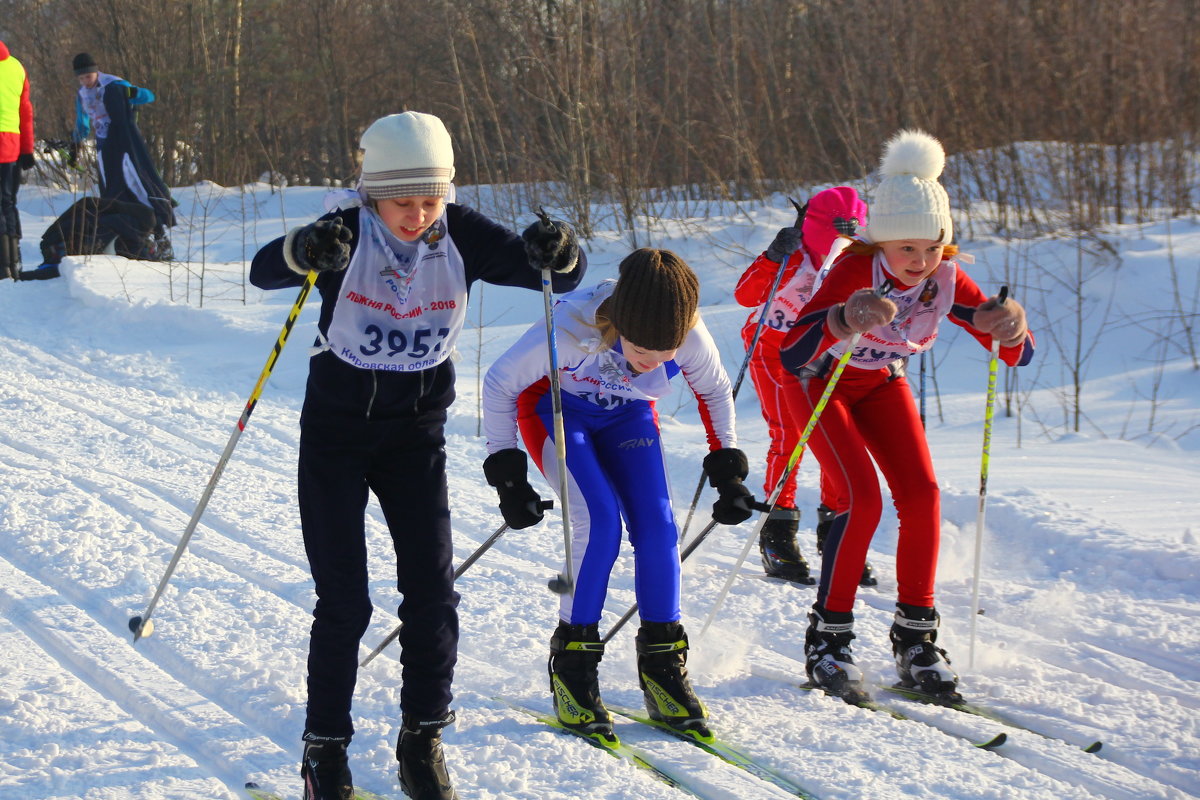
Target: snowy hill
[121, 383]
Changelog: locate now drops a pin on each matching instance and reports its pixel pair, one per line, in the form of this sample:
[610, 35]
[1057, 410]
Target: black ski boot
[423, 774]
[662, 673]
[920, 663]
[14, 256]
[7, 268]
[325, 769]
[825, 516]
[827, 658]
[780, 556]
[574, 666]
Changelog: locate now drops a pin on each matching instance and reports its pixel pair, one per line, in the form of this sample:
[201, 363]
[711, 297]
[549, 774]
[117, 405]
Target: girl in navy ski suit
[619, 344]
[394, 271]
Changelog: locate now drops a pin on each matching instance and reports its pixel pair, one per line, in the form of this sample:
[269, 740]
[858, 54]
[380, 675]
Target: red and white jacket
[948, 293]
[795, 289]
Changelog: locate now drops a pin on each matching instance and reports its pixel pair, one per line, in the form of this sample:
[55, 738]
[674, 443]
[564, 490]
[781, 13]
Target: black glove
[322, 246]
[787, 241]
[551, 244]
[846, 227]
[25, 161]
[507, 470]
[726, 468]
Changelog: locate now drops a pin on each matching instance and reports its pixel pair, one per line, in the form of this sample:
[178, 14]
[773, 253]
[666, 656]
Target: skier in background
[16, 156]
[805, 247]
[89, 226]
[871, 418]
[104, 107]
[395, 262]
[618, 344]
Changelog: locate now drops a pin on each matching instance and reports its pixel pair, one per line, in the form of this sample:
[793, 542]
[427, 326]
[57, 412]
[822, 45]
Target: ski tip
[994, 742]
[256, 792]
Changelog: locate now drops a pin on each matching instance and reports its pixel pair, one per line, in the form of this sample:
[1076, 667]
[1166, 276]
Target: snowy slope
[119, 389]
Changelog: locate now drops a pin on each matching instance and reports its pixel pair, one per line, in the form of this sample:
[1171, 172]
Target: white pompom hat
[407, 155]
[910, 203]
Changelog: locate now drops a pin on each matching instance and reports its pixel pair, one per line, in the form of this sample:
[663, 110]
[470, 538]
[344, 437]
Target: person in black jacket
[394, 267]
[89, 226]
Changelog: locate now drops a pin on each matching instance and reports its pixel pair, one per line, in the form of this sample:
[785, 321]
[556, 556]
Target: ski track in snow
[116, 413]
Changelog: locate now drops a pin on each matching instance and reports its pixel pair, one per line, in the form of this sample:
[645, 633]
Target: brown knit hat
[654, 304]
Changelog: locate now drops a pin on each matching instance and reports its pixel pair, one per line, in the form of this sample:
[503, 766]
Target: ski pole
[683, 556]
[922, 392]
[758, 328]
[560, 583]
[794, 459]
[989, 412]
[141, 625]
[463, 567]
[687, 551]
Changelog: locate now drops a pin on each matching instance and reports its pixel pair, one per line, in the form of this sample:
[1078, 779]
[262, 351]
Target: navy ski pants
[403, 462]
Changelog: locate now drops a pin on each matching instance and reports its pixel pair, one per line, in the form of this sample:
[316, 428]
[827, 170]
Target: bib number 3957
[396, 342]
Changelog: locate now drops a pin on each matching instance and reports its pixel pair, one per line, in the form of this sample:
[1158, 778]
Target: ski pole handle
[801, 210]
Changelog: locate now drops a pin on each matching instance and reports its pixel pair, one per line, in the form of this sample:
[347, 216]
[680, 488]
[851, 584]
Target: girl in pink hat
[802, 250]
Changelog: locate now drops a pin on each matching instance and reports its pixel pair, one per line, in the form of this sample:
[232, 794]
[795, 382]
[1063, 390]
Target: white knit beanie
[407, 155]
[910, 203]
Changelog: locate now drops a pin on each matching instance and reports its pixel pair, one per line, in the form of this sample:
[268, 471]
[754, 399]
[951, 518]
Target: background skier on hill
[619, 345]
[871, 418]
[104, 106]
[395, 264]
[89, 226]
[805, 247]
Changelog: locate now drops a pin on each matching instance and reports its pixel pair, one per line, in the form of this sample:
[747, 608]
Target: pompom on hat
[654, 303]
[824, 207]
[407, 155]
[909, 203]
[83, 63]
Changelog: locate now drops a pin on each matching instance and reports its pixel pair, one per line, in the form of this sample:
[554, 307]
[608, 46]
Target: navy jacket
[491, 253]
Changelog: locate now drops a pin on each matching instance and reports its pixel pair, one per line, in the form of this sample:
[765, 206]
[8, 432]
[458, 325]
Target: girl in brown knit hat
[619, 344]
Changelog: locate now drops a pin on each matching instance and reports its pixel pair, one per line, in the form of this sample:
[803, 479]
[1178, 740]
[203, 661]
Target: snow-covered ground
[120, 385]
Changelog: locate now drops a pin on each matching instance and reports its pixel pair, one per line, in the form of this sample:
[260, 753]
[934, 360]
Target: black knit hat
[83, 64]
[654, 303]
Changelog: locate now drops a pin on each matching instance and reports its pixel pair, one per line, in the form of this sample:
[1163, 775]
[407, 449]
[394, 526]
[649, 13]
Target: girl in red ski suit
[871, 418]
[804, 247]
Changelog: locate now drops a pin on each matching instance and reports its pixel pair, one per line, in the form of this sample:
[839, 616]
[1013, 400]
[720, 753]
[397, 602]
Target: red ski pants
[871, 419]
[769, 377]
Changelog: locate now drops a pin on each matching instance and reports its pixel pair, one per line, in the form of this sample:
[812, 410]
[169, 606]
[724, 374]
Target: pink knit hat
[824, 207]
